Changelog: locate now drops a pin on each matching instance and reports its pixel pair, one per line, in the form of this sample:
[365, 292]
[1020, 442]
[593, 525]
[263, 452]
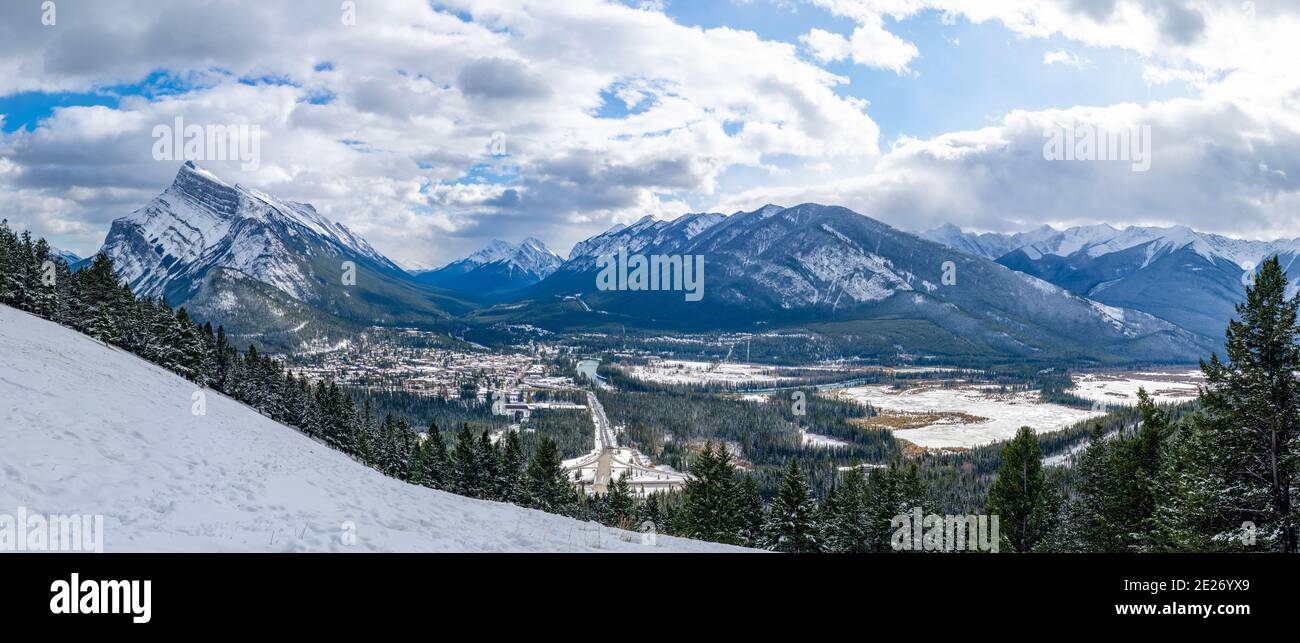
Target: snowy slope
[87, 429]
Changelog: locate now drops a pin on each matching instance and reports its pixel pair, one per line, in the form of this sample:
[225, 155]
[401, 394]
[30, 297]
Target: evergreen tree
[437, 465]
[749, 517]
[847, 521]
[1187, 486]
[1020, 497]
[465, 462]
[711, 510]
[103, 328]
[1251, 405]
[650, 513]
[790, 523]
[1095, 514]
[548, 482]
[512, 470]
[620, 504]
[489, 466]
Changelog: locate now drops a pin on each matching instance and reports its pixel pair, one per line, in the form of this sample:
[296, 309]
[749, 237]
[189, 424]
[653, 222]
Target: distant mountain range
[1190, 278]
[70, 257]
[829, 268]
[274, 270]
[496, 269]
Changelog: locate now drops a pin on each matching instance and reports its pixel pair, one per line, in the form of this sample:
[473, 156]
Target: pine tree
[548, 481]
[847, 522]
[621, 505]
[712, 506]
[1019, 496]
[489, 458]
[1252, 407]
[1095, 514]
[465, 462]
[1227, 477]
[1186, 516]
[103, 328]
[512, 470]
[649, 515]
[750, 512]
[437, 465]
[790, 526]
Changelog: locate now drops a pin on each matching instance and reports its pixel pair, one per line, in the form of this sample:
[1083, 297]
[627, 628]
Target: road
[604, 443]
[608, 456]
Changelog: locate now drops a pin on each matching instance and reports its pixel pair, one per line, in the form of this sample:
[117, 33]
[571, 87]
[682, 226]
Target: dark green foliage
[712, 499]
[791, 522]
[1020, 497]
[547, 482]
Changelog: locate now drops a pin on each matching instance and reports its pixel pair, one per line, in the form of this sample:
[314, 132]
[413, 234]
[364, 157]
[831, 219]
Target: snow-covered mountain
[1191, 278]
[499, 267]
[89, 429]
[647, 232]
[70, 257]
[200, 221]
[202, 230]
[989, 245]
[827, 265]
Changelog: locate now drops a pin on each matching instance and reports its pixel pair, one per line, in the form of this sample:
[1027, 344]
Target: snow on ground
[811, 439]
[1120, 388]
[88, 429]
[1002, 414]
[676, 371]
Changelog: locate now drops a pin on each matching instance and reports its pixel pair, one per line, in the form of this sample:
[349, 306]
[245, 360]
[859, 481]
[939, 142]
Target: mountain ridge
[812, 264]
[1193, 279]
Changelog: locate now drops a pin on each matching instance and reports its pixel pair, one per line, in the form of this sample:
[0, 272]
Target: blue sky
[967, 76]
[917, 112]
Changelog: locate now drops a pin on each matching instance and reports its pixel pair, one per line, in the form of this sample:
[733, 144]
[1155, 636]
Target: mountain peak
[190, 171]
[500, 266]
[530, 255]
[200, 223]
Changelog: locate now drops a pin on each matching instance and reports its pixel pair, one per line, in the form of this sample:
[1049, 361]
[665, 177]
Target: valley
[826, 338]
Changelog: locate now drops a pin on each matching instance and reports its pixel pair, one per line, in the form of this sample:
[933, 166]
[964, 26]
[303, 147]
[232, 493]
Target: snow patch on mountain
[1102, 239]
[200, 222]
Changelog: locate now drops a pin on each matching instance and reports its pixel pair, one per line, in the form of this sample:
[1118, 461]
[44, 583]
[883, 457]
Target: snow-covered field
[816, 440]
[996, 416]
[676, 371]
[88, 429]
[1121, 388]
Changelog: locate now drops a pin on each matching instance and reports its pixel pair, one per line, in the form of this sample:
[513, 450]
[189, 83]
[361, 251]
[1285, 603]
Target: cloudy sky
[433, 127]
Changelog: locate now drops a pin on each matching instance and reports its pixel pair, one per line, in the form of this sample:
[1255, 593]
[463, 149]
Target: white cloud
[826, 46]
[1068, 59]
[870, 45]
[417, 96]
[1204, 173]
